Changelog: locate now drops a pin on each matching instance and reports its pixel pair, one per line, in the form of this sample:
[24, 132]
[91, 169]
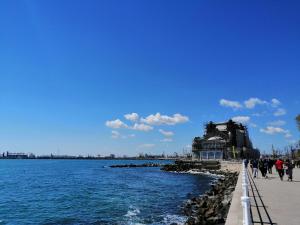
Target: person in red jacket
[279, 167]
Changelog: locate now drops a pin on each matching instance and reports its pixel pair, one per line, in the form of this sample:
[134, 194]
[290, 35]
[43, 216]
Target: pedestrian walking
[261, 167]
[279, 167]
[251, 165]
[298, 163]
[246, 162]
[270, 165]
[289, 169]
[255, 168]
[265, 164]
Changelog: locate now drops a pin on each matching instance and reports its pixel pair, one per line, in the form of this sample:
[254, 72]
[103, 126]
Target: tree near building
[298, 121]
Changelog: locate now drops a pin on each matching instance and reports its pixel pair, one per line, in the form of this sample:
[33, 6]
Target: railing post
[245, 197]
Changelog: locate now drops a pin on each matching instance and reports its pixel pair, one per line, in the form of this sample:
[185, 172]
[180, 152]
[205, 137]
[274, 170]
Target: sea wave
[174, 219]
[125, 197]
[132, 212]
[197, 172]
[132, 216]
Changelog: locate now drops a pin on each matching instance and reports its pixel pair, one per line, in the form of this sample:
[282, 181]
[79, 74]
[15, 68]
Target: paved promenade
[274, 201]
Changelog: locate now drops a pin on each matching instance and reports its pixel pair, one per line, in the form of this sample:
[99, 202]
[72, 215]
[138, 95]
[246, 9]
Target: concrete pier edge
[235, 213]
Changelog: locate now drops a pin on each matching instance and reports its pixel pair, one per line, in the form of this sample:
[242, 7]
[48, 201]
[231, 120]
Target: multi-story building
[10, 155]
[228, 140]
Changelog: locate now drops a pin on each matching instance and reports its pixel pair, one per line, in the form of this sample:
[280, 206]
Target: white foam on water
[133, 223]
[132, 212]
[133, 219]
[169, 219]
[132, 216]
[207, 173]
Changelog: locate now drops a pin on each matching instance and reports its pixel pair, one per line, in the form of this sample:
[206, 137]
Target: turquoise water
[89, 192]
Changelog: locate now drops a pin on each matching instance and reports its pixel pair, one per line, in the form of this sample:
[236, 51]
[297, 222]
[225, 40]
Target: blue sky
[69, 67]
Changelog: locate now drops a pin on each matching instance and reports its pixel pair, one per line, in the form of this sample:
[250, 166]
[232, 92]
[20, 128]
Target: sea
[54, 192]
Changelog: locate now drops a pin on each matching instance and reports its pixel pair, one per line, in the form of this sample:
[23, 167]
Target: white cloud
[280, 112]
[288, 135]
[128, 136]
[231, 104]
[241, 119]
[146, 146]
[253, 125]
[159, 119]
[292, 141]
[259, 114]
[132, 117]
[116, 124]
[252, 102]
[275, 102]
[167, 140]
[277, 123]
[166, 133]
[276, 130]
[141, 127]
[115, 134]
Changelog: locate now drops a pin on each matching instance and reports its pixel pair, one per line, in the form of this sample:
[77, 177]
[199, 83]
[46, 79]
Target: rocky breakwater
[184, 166]
[136, 165]
[212, 207]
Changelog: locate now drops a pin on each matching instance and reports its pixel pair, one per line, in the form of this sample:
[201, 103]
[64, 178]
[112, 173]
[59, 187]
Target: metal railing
[247, 220]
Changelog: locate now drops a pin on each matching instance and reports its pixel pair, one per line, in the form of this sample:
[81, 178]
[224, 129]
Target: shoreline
[86, 158]
[212, 207]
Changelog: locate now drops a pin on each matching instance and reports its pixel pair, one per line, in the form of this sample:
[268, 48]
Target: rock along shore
[212, 207]
[136, 165]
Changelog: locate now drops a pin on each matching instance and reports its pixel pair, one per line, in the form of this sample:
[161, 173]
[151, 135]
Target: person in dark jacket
[265, 167]
[270, 165]
[289, 169]
[261, 167]
[255, 168]
[246, 162]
